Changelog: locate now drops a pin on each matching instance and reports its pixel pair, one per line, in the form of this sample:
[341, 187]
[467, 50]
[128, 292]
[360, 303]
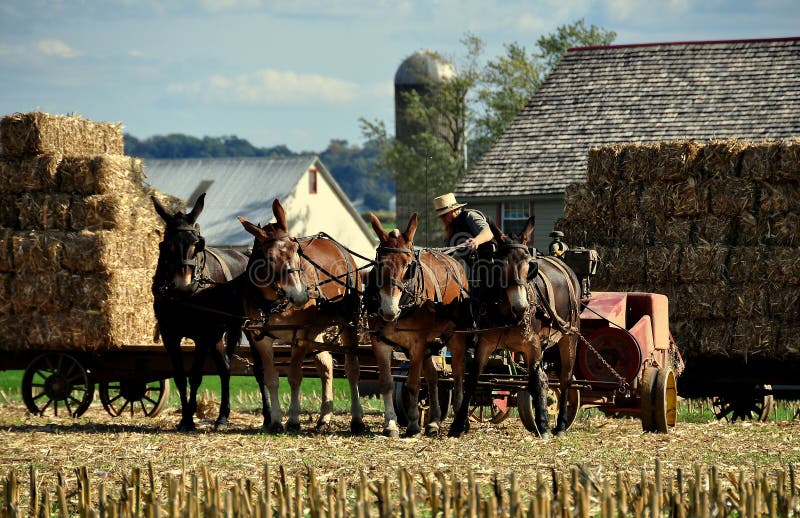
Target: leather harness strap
[225, 270]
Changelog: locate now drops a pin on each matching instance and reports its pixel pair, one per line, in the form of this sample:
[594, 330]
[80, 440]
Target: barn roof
[641, 93]
[236, 187]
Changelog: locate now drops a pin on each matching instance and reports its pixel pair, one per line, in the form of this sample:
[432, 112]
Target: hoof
[186, 426]
[391, 432]
[274, 428]
[323, 427]
[293, 427]
[221, 426]
[432, 430]
[411, 432]
[561, 433]
[455, 433]
[358, 427]
[546, 435]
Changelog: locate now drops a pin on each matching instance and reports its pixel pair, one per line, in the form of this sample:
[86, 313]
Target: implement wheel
[132, 397]
[659, 400]
[56, 379]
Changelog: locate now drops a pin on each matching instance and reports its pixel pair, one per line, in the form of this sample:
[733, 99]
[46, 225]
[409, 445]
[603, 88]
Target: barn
[747, 89]
[313, 200]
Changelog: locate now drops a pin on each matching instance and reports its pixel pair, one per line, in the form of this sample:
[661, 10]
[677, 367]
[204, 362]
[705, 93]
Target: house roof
[236, 187]
[747, 89]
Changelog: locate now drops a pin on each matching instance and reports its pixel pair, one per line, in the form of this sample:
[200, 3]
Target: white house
[313, 200]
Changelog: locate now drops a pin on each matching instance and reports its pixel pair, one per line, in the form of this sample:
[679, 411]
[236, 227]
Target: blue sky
[296, 72]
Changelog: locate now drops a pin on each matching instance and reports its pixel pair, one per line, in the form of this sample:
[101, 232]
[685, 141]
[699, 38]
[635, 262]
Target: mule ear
[280, 214]
[378, 228]
[197, 209]
[161, 210]
[496, 232]
[412, 228]
[527, 233]
[255, 230]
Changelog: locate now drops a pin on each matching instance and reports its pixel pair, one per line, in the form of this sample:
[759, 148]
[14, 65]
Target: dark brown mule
[284, 272]
[532, 305]
[192, 299]
[413, 300]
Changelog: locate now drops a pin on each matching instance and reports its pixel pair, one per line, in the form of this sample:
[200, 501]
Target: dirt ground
[111, 447]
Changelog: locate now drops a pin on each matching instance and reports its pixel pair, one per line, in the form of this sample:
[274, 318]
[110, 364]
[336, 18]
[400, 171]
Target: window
[312, 181]
[514, 215]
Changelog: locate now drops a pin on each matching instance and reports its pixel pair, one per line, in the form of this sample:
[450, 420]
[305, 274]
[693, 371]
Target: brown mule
[284, 273]
[533, 304]
[413, 299]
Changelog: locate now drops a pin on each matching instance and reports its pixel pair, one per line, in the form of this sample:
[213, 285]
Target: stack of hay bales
[78, 236]
[714, 226]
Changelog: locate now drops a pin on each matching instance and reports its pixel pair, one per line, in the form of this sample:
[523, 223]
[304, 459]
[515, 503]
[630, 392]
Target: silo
[421, 72]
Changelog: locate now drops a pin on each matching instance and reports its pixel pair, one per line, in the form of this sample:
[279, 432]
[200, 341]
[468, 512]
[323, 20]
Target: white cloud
[269, 86]
[136, 53]
[56, 48]
[216, 6]
[637, 9]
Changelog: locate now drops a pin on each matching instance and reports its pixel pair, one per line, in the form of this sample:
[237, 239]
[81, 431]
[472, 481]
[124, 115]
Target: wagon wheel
[149, 398]
[527, 413]
[56, 379]
[744, 404]
[659, 400]
[493, 409]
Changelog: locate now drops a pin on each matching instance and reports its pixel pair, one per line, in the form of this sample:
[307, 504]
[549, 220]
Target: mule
[193, 298]
[297, 290]
[414, 299]
[531, 305]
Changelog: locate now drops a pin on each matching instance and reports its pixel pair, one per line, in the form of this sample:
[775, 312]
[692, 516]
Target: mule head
[515, 259]
[394, 257]
[178, 251]
[275, 266]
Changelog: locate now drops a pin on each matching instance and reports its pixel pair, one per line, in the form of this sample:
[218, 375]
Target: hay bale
[704, 263]
[789, 165]
[625, 200]
[38, 133]
[37, 251]
[713, 339]
[603, 164]
[706, 300]
[760, 161]
[730, 196]
[675, 160]
[619, 266]
[720, 158]
[101, 174]
[633, 232]
[662, 264]
[789, 340]
[124, 212]
[778, 198]
[42, 292]
[713, 230]
[783, 303]
[105, 251]
[579, 202]
[749, 300]
[667, 231]
[29, 174]
[9, 213]
[746, 264]
[635, 163]
[782, 229]
[6, 253]
[5, 293]
[749, 231]
[781, 265]
[666, 199]
[753, 338]
[41, 211]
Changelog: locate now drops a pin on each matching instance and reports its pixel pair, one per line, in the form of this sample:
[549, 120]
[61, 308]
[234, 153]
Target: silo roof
[422, 67]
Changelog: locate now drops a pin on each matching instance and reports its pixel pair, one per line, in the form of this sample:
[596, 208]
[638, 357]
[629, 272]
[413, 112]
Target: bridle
[503, 253]
[409, 287]
[197, 261]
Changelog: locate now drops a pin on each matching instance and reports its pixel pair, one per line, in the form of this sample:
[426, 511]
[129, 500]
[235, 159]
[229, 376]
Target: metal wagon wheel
[659, 400]
[132, 396]
[528, 416]
[56, 379]
[745, 403]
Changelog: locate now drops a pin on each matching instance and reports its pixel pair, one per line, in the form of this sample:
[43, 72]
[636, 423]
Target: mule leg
[222, 361]
[196, 375]
[352, 369]
[324, 363]
[173, 346]
[411, 387]
[265, 350]
[434, 412]
[383, 357]
[295, 379]
[258, 372]
[566, 349]
[460, 423]
[537, 383]
[457, 349]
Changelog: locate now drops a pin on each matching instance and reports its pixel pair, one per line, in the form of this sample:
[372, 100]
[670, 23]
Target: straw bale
[633, 232]
[9, 213]
[776, 198]
[662, 264]
[603, 164]
[6, 254]
[636, 162]
[713, 338]
[42, 292]
[10, 332]
[675, 160]
[687, 334]
[747, 264]
[761, 161]
[706, 300]
[29, 174]
[714, 230]
[579, 201]
[667, 231]
[783, 229]
[38, 133]
[37, 251]
[40, 211]
[620, 266]
[748, 230]
[720, 158]
[124, 211]
[788, 346]
[704, 263]
[107, 250]
[783, 303]
[730, 196]
[684, 198]
[781, 265]
[5, 293]
[626, 199]
[753, 338]
[749, 300]
[789, 165]
[591, 233]
[101, 174]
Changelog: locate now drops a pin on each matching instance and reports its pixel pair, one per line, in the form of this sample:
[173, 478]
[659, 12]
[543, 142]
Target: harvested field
[597, 449]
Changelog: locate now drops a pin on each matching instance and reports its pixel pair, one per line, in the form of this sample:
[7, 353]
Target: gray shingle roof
[641, 93]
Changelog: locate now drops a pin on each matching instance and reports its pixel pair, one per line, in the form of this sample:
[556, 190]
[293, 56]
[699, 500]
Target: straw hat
[446, 203]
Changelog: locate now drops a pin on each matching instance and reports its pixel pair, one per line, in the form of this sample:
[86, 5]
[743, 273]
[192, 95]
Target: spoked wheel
[492, 408]
[747, 403]
[55, 382]
[527, 413]
[132, 397]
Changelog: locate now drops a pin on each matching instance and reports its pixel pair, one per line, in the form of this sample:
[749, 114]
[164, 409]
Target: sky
[297, 72]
